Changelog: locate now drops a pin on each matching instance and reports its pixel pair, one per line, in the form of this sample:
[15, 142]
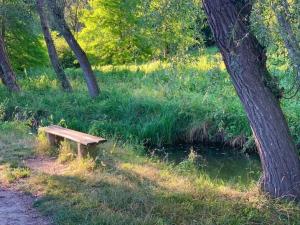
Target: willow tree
[283, 14]
[57, 11]
[65, 84]
[245, 61]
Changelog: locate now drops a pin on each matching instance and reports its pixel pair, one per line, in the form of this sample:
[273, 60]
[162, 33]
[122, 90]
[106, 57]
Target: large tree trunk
[90, 78]
[7, 76]
[66, 86]
[245, 60]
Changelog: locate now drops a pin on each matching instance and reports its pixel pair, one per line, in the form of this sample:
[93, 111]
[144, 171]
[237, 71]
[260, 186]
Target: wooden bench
[56, 134]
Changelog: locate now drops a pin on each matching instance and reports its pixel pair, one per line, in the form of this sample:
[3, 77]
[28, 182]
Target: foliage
[266, 27]
[118, 31]
[113, 32]
[73, 12]
[22, 34]
[175, 25]
[65, 54]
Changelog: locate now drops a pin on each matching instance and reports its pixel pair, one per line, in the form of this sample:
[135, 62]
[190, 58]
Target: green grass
[123, 187]
[15, 145]
[157, 103]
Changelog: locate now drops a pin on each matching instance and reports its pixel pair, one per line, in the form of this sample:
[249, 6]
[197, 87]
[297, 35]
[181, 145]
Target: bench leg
[51, 139]
[81, 151]
[54, 140]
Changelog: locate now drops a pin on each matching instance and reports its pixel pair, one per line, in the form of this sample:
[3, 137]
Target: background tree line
[123, 31]
[111, 32]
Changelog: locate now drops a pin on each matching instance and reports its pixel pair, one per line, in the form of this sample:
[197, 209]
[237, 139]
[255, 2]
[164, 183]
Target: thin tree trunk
[2, 34]
[65, 84]
[291, 43]
[8, 76]
[2, 76]
[64, 29]
[245, 60]
[2, 24]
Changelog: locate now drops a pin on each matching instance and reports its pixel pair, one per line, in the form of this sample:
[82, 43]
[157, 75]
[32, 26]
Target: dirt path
[16, 209]
[46, 165]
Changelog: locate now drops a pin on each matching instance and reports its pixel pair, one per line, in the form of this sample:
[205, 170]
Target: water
[222, 165]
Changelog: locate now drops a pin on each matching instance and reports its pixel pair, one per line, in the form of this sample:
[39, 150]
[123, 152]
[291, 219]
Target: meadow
[156, 104]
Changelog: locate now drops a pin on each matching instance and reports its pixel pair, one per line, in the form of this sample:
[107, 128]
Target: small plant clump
[66, 152]
[10, 174]
[190, 164]
[43, 147]
[83, 165]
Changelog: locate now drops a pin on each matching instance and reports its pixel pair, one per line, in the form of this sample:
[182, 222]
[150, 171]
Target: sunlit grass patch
[83, 165]
[120, 186]
[43, 146]
[138, 190]
[10, 174]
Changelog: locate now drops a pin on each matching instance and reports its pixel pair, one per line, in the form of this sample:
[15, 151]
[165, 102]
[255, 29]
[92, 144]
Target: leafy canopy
[22, 36]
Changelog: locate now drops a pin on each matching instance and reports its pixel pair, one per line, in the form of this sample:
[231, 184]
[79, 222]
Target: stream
[220, 164]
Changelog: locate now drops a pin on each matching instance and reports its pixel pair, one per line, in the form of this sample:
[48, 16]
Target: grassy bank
[123, 187]
[158, 103]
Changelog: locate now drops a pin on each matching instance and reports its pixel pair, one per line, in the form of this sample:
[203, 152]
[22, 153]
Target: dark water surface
[224, 165]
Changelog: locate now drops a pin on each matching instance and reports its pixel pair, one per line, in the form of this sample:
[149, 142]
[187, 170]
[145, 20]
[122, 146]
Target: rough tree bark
[66, 86]
[245, 60]
[60, 22]
[7, 76]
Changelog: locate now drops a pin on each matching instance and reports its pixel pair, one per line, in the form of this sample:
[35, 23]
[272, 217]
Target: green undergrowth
[15, 144]
[159, 103]
[119, 186]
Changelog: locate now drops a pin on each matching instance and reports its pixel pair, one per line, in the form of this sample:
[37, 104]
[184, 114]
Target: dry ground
[16, 209]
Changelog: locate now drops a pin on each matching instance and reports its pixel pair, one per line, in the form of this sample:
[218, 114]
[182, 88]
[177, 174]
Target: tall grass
[157, 103]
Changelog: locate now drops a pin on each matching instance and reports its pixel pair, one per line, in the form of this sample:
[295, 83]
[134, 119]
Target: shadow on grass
[118, 196]
[15, 143]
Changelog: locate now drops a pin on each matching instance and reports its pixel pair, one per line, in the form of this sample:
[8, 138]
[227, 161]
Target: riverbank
[123, 187]
[156, 104]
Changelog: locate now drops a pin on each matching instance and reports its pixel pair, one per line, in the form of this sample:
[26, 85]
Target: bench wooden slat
[79, 137]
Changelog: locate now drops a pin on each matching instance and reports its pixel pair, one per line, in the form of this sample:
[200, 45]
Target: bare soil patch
[46, 165]
[16, 209]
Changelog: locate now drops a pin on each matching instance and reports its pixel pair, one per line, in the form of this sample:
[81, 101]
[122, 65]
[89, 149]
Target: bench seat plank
[79, 137]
